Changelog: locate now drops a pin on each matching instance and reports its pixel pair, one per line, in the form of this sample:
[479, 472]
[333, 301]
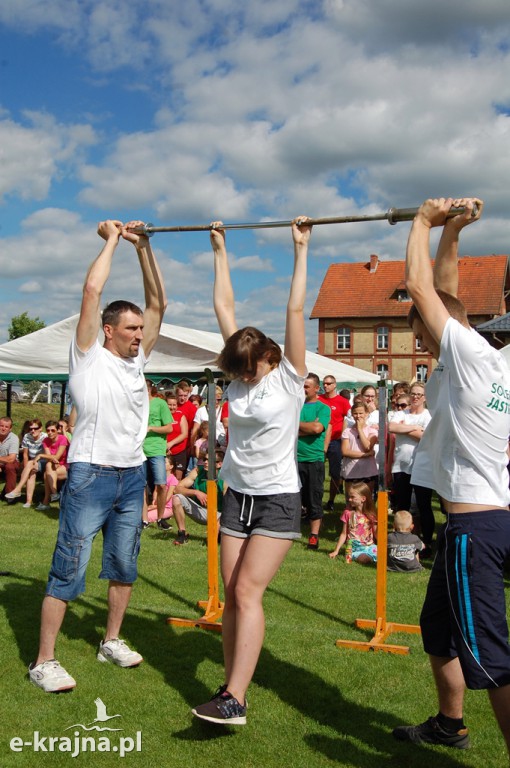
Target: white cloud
[34, 154]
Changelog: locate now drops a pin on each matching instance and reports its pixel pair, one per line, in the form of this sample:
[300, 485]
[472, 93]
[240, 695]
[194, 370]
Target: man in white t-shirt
[462, 455]
[106, 479]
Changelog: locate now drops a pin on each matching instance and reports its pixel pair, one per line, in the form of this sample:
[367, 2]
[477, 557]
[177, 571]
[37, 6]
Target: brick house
[362, 311]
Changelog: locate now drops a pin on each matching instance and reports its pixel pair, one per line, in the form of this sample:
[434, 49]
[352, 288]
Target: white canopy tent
[179, 353]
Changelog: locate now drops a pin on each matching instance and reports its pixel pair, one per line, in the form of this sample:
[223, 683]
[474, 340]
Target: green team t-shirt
[159, 416]
[311, 447]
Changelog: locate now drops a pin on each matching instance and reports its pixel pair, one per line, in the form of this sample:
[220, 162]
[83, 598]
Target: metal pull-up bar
[393, 216]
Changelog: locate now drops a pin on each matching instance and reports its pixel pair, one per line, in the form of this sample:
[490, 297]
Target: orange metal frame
[213, 607]
[383, 628]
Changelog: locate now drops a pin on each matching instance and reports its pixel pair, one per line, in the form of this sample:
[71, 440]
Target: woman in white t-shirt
[262, 506]
[408, 426]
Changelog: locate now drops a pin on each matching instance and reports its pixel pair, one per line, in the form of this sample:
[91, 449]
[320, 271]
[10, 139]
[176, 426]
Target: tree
[23, 324]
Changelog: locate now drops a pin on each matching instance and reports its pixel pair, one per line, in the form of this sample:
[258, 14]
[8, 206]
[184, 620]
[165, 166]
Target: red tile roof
[351, 290]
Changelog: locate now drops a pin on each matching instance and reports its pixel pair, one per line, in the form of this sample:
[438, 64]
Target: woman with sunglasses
[56, 446]
[32, 447]
[408, 424]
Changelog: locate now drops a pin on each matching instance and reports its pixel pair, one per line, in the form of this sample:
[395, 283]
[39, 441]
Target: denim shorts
[156, 471]
[277, 515]
[96, 498]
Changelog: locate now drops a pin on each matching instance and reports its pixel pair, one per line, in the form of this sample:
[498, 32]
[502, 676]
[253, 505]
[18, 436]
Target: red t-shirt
[176, 430]
[188, 409]
[340, 407]
[52, 447]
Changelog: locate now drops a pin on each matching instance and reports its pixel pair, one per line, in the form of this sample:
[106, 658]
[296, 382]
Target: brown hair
[452, 304]
[244, 349]
[112, 312]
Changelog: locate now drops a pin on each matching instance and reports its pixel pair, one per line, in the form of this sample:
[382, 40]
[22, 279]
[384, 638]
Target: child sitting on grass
[359, 525]
[403, 544]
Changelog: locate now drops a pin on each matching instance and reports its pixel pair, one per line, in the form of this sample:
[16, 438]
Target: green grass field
[312, 704]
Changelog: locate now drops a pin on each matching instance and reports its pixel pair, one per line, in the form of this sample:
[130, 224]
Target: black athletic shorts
[464, 613]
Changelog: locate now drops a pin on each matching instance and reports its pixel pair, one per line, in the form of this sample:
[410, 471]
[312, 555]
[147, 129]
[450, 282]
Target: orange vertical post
[382, 627]
[213, 607]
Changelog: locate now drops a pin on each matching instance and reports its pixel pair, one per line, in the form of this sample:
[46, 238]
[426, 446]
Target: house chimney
[374, 261]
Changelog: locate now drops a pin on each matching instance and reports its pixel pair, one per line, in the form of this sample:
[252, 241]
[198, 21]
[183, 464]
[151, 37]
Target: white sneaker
[43, 507]
[13, 495]
[51, 677]
[27, 505]
[117, 652]
[54, 497]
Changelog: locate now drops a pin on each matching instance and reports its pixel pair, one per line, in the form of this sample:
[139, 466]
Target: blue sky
[184, 112]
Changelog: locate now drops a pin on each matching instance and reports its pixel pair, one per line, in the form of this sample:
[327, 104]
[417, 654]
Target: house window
[343, 339]
[422, 373]
[383, 371]
[383, 336]
[417, 344]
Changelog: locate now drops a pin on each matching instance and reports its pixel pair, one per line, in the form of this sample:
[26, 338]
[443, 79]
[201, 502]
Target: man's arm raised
[154, 287]
[446, 269]
[419, 277]
[99, 271]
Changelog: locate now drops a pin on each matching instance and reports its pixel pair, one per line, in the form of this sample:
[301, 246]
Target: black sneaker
[162, 523]
[313, 541]
[224, 709]
[430, 732]
[426, 553]
[181, 538]
[329, 506]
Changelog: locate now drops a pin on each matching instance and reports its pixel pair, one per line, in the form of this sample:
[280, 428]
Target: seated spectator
[191, 497]
[359, 525]
[171, 483]
[32, 448]
[55, 454]
[403, 545]
[9, 449]
[63, 428]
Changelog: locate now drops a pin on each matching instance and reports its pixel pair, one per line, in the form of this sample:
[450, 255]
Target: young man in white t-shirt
[106, 479]
[463, 457]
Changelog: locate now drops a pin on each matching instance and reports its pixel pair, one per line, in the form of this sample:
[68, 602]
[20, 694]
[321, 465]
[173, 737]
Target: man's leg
[11, 476]
[450, 685]
[180, 517]
[161, 493]
[500, 700]
[52, 615]
[119, 596]
[334, 455]
[316, 472]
